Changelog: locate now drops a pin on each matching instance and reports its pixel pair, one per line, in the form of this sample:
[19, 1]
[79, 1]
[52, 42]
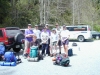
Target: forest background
[69, 12]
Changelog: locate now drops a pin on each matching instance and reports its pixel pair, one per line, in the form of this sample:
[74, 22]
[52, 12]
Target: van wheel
[97, 37]
[81, 38]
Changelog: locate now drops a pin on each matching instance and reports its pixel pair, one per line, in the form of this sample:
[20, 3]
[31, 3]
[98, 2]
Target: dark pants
[44, 47]
[48, 47]
[59, 44]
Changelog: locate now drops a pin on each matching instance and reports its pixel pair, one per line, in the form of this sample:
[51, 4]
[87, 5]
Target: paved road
[85, 61]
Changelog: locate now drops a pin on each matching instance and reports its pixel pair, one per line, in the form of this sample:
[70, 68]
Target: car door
[72, 32]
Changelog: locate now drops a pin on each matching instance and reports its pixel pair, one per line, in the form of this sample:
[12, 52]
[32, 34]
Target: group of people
[48, 39]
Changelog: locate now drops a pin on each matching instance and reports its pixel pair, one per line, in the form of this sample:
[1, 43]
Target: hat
[36, 25]
[64, 25]
[29, 25]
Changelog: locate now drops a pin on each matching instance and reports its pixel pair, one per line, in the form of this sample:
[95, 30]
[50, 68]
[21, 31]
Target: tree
[4, 10]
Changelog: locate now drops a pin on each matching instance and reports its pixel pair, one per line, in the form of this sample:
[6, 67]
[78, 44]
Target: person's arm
[68, 35]
[26, 33]
[51, 39]
[41, 36]
[29, 35]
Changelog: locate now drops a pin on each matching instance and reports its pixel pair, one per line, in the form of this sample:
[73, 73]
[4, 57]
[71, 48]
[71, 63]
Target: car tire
[97, 37]
[18, 38]
[81, 38]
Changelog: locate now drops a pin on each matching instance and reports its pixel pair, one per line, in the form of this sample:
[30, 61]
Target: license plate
[17, 46]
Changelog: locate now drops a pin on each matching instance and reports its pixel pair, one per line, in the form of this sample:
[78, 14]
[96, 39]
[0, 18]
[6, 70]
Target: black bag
[70, 52]
[74, 44]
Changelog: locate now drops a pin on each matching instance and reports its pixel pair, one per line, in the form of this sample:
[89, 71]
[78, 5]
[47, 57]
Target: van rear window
[12, 31]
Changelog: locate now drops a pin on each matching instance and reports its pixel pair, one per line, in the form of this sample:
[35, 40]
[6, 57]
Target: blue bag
[3, 63]
[10, 57]
[2, 49]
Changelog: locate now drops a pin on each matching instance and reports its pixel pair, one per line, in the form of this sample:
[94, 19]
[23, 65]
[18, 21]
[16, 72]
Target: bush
[96, 28]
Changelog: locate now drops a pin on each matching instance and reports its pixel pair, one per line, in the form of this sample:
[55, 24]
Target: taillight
[6, 40]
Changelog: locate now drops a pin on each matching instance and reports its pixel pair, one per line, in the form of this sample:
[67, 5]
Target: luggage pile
[61, 59]
[8, 58]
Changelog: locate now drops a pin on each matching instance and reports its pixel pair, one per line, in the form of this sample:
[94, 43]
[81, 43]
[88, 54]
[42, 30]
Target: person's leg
[26, 46]
[51, 48]
[25, 54]
[43, 49]
[55, 46]
[59, 44]
[48, 48]
[66, 47]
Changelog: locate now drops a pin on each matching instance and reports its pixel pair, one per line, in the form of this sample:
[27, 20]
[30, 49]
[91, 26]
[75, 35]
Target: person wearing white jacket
[44, 40]
[65, 39]
[53, 42]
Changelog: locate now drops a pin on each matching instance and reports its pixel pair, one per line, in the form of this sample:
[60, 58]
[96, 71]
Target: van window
[70, 28]
[80, 29]
[77, 28]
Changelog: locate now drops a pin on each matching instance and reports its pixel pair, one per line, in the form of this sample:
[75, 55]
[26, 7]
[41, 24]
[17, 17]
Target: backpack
[9, 57]
[74, 44]
[65, 61]
[2, 49]
[62, 60]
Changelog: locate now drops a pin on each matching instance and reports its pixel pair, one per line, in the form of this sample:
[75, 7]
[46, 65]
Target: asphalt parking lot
[85, 61]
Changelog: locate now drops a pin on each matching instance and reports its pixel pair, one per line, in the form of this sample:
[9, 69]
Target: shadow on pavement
[69, 65]
[73, 55]
[90, 40]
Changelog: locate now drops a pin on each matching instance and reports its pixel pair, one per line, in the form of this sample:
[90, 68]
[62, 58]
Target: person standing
[38, 34]
[49, 33]
[65, 39]
[29, 34]
[53, 42]
[58, 30]
[44, 40]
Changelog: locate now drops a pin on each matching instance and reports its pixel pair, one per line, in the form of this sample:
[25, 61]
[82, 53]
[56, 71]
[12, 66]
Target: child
[54, 41]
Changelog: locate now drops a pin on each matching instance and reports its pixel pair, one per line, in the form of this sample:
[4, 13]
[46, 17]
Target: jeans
[44, 47]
